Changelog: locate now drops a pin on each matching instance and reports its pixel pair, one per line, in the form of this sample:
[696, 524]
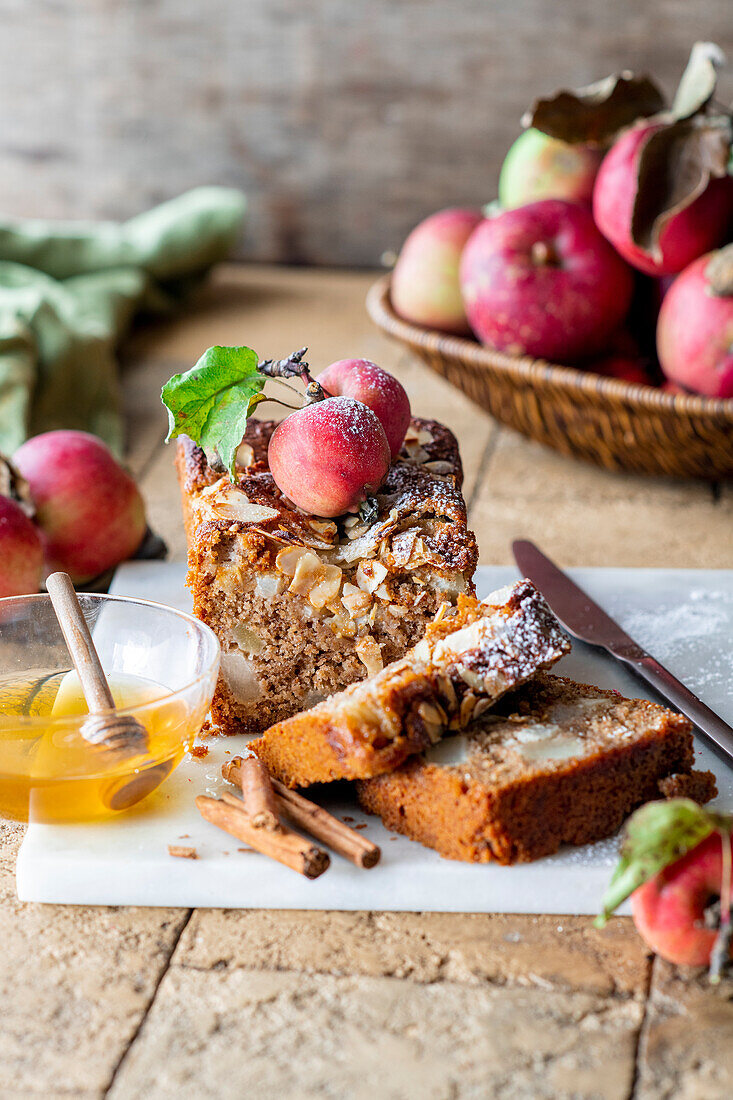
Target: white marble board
[684, 617]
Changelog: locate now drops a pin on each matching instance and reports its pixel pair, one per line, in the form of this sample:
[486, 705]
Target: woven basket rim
[526, 369]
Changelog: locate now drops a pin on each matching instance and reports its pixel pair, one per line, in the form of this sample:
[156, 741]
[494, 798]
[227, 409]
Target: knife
[583, 618]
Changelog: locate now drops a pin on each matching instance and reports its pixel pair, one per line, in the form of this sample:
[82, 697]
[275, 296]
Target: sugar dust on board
[51, 774]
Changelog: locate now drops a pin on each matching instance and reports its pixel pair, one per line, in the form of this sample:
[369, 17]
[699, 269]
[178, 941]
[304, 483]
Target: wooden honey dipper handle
[104, 726]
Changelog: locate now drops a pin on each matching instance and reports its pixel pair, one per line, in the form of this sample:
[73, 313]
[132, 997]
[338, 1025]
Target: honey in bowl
[49, 773]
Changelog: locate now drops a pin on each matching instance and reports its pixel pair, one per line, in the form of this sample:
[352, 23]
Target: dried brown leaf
[676, 164]
[593, 115]
[697, 86]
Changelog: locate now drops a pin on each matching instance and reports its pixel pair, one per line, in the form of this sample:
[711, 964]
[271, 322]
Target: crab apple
[21, 551]
[541, 280]
[329, 456]
[88, 507]
[540, 167]
[377, 388]
[425, 287]
[669, 909]
[685, 236]
[695, 333]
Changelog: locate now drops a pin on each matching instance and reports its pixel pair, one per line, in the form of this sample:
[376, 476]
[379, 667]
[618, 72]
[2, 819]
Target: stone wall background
[345, 121]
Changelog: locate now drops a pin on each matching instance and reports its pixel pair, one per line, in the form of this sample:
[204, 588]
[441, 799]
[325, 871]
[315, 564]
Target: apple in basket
[89, 509]
[684, 236]
[540, 167]
[695, 326]
[425, 287]
[542, 281]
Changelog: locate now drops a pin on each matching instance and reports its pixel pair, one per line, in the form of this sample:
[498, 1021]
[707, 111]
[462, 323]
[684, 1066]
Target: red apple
[21, 551]
[329, 456]
[377, 388]
[542, 281]
[695, 333]
[685, 236]
[669, 909]
[624, 367]
[425, 286]
[540, 167]
[88, 507]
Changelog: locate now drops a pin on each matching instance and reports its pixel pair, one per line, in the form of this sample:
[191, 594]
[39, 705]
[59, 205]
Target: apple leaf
[593, 115]
[656, 835]
[697, 86]
[719, 272]
[676, 163]
[212, 401]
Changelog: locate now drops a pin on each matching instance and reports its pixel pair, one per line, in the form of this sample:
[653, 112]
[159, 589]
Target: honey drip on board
[50, 774]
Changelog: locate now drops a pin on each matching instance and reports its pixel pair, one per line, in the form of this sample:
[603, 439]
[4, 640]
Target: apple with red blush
[88, 508]
[425, 288]
[676, 911]
[377, 388]
[329, 456]
[21, 551]
[542, 281]
[538, 166]
[685, 235]
[695, 326]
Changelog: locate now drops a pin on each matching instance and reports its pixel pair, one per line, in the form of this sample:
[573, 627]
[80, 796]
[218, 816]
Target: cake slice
[555, 763]
[468, 659]
[304, 606]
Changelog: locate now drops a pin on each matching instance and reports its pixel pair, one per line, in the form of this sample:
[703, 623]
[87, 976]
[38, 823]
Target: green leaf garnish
[656, 835]
[212, 401]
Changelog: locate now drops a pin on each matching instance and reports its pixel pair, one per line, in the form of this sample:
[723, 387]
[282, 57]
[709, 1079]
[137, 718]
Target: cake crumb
[198, 752]
[182, 851]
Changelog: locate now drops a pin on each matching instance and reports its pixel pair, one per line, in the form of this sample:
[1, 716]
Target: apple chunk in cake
[304, 606]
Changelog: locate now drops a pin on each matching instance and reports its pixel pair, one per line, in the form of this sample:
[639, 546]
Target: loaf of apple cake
[304, 606]
[553, 763]
[469, 657]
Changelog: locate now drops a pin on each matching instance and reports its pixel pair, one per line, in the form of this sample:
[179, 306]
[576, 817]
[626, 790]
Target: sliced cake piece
[304, 606]
[555, 763]
[467, 660]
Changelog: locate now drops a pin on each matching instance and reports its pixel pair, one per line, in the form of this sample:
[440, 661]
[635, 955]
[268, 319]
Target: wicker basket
[619, 425]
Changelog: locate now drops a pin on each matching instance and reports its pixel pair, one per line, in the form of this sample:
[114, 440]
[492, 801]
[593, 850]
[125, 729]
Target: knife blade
[584, 619]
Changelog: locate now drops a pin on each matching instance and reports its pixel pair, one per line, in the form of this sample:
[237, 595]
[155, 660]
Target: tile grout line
[642, 1034]
[146, 1011]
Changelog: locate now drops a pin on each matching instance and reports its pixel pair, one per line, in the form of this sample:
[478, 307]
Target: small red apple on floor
[88, 507]
[377, 388]
[669, 910]
[542, 281]
[425, 287]
[695, 328]
[538, 166]
[685, 236]
[330, 456]
[21, 551]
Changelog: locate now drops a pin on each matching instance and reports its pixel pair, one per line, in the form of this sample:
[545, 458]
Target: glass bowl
[162, 666]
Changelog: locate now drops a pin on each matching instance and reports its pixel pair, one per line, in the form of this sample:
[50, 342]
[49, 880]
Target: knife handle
[707, 721]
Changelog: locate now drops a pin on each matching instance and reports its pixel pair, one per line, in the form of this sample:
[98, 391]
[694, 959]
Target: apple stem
[292, 367]
[314, 392]
[720, 954]
[543, 254]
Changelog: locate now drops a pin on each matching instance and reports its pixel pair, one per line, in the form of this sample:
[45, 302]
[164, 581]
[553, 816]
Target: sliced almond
[370, 575]
[355, 600]
[418, 435]
[245, 455]
[439, 466]
[309, 570]
[369, 653]
[232, 504]
[327, 588]
[288, 558]
[468, 706]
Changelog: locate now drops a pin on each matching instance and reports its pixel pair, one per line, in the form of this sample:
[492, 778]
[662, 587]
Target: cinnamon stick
[314, 819]
[285, 846]
[258, 797]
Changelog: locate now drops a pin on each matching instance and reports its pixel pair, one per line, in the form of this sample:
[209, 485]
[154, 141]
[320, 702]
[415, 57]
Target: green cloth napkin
[69, 292]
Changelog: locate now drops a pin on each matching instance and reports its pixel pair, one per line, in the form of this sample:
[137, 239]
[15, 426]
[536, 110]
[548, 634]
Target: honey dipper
[103, 726]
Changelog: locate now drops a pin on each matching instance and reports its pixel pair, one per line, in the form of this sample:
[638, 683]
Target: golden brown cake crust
[371, 727]
[487, 810]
